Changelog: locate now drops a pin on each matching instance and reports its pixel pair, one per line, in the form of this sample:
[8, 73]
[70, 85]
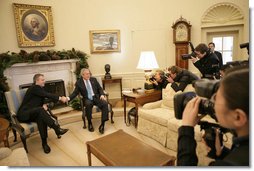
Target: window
[225, 46]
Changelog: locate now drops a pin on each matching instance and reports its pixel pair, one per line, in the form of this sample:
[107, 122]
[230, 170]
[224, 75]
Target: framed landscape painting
[102, 41]
[34, 25]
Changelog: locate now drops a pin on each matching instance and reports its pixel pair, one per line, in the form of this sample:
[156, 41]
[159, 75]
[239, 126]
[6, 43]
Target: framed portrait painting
[34, 25]
[102, 41]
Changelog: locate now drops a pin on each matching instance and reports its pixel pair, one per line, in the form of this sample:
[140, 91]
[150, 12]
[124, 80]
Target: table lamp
[147, 62]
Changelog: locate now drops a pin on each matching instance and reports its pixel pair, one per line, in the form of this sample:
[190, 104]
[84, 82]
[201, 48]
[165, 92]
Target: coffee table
[122, 149]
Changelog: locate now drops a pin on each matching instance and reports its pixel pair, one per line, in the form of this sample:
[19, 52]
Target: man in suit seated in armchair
[33, 109]
[93, 94]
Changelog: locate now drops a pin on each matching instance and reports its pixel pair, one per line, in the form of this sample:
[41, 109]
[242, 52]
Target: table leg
[136, 116]
[89, 155]
[124, 108]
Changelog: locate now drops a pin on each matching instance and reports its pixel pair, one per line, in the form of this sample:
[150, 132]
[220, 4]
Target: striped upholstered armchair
[14, 99]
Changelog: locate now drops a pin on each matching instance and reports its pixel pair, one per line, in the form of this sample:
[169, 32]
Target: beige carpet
[70, 150]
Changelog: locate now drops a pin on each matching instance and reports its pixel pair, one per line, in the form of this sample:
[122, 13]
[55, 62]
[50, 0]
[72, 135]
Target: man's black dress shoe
[61, 131]
[46, 148]
[90, 128]
[101, 129]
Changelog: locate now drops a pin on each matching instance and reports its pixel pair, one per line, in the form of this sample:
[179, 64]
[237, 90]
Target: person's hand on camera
[218, 146]
[45, 107]
[194, 59]
[190, 113]
[154, 82]
[170, 80]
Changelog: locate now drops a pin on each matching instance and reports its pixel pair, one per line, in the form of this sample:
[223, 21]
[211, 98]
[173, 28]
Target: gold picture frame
[103, 41]
[34, 25]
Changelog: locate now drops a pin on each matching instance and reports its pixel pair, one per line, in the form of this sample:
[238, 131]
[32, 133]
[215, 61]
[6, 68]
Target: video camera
[210, 136]
[204, 88]
[188, 56]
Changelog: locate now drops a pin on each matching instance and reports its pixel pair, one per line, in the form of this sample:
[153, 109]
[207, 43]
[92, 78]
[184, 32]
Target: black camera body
[204, 88]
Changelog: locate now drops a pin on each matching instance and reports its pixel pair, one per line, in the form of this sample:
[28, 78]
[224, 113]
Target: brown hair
[36, 76]
[175, 69]
[235, 85]
[202, 48]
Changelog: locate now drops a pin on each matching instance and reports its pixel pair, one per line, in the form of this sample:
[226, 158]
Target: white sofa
[157, 121]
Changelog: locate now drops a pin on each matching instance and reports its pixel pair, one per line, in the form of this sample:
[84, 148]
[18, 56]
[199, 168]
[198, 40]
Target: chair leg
[23, 139]
[112, 114]
[15, 135]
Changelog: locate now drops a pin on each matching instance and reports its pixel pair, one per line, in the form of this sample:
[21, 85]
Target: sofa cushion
[168, 97]
[158, 115]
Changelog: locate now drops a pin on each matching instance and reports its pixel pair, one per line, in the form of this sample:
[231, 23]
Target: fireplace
[55, 87]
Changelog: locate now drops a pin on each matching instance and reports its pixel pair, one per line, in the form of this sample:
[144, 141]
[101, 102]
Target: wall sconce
[147, 62]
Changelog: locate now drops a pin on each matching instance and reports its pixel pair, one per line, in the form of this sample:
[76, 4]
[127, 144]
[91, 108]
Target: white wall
[144, 25]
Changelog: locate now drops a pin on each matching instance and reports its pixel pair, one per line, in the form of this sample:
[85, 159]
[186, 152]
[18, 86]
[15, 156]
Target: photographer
[180, 78]
[159, 80]
[205, 61]
[232, 111]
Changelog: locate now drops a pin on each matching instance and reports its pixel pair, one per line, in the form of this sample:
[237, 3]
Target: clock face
[181, 32]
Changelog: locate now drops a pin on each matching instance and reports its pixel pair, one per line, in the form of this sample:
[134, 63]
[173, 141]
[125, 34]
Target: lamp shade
[147, 61]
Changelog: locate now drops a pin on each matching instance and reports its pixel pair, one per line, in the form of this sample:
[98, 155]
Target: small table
[4, 131]
[122, 149]
[113, 80]
[140, 99]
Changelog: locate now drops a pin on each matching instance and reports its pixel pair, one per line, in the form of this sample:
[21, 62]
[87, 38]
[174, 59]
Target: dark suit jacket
[183, 78]
[34, 98]
[219, 55]
[208, 65]
[80, 87]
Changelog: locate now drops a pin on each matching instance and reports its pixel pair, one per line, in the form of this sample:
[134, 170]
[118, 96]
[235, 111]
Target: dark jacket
[183, 79]
[186, 152]
[208, 65]
[34, 97]
[80, 87]
[219, 55]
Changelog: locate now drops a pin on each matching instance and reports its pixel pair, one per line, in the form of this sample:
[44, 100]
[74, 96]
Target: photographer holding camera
[231, 107]
[159, 80]
[180, 78]
[205, 61]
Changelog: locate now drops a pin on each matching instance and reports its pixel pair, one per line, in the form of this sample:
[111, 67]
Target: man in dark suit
[180, 78]
[211, 45]
[206, 62]
[93, 94]
[33, 109]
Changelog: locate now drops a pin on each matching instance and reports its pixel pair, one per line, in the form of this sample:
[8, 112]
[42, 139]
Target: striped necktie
[89, 90]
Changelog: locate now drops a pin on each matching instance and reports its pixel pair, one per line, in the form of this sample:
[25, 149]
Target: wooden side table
[140, 99]
[4, 131]
[113, 80]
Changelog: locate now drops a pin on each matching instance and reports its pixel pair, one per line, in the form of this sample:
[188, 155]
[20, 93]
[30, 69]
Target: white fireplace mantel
[22, 73]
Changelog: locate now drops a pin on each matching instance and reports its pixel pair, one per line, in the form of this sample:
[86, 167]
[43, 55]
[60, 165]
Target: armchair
[14, 99]
[96, 108]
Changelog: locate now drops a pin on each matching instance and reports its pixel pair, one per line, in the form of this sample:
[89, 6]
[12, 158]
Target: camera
[204, 88]
[188, 56]
[244, 45]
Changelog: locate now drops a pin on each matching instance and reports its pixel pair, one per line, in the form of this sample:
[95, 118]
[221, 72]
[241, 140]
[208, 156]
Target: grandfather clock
[181, 38]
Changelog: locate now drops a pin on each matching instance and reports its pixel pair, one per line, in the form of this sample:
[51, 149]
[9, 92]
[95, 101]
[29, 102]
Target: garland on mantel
[8, 59]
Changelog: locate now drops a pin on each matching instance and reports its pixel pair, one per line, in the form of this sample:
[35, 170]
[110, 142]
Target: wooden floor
[70, 150]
